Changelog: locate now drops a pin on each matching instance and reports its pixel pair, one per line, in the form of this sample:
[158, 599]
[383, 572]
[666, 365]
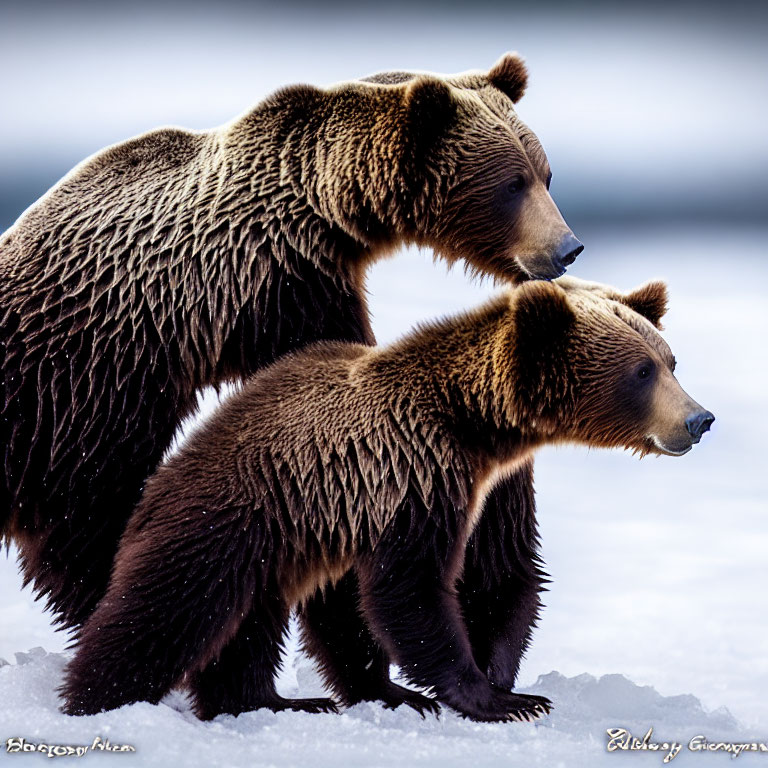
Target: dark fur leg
[351, 662]
[69, 560]
[72, 498]
[410, 604]
[502, 579]
[242, 677]
[176, 598]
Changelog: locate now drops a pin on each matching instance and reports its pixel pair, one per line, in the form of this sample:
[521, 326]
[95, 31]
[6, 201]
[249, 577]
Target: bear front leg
[350, 660]
[502, 579]
[409, 602]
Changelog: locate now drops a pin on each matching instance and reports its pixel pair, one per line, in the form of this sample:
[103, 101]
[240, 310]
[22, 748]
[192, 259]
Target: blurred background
[653, 116]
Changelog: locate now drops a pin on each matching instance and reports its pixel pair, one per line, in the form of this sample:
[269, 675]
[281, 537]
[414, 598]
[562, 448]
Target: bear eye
[516, 185]
[644, 372]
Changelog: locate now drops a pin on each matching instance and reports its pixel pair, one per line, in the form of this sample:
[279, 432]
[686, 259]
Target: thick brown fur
[377, 462]
[182, 259]
[502, 576]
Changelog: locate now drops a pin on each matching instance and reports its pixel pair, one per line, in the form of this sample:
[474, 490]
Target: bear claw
[392, 695]
[397, 695]
[314, 706]
[505, 706]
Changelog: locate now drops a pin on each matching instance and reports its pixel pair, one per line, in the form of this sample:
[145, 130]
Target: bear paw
[495, 704]
[394, 695]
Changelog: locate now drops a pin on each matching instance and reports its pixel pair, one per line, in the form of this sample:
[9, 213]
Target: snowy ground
[659, 566]
[368, 735]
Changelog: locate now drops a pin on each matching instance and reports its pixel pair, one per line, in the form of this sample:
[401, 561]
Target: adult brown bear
[346, 458]
[179, 260]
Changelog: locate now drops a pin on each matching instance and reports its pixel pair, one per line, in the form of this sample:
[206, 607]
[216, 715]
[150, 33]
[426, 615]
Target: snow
[658, 566]
[367, 734]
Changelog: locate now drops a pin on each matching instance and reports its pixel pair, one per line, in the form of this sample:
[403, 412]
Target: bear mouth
[666, 450]
[549, 274]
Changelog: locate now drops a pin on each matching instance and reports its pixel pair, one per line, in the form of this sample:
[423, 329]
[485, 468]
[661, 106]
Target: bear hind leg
[176, 596]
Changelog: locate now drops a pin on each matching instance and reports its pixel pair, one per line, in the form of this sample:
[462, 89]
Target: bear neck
[345, 158]
[463, 364]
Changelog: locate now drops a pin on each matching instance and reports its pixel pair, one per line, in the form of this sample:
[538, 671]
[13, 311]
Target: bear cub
[374, 460]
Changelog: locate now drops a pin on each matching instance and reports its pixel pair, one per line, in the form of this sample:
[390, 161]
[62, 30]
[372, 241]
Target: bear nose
[567, 251]
[698, 423]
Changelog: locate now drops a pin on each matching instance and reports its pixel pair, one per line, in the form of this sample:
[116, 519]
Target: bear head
[590, 366]
[484, 172]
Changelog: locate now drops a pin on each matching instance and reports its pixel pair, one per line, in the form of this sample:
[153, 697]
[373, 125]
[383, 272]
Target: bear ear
[510, 75]
[649, 300]
[430, 105]
[543, 328]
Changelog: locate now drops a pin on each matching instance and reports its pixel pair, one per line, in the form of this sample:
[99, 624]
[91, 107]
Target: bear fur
[346, 458]
[178, 260]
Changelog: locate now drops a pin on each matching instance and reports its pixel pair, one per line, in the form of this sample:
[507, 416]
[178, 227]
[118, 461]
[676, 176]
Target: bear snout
[697, 423]
[570, 247]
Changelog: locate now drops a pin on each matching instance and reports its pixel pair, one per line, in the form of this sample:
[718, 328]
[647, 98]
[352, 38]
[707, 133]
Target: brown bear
[347, 458]
[182, 259]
